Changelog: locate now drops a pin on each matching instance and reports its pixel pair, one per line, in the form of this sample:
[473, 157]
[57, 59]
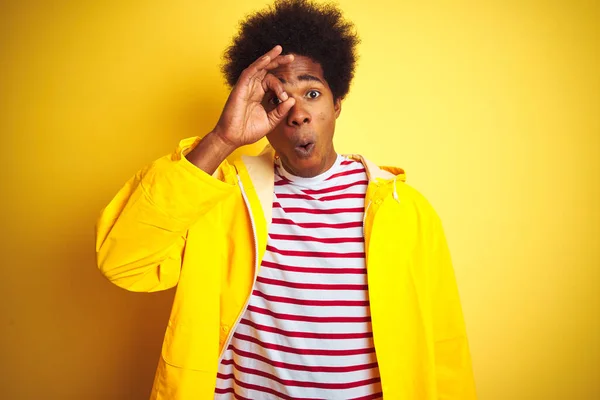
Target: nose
[298, 116]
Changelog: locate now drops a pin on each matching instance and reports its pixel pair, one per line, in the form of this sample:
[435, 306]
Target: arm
[141, 234]
[454, 372]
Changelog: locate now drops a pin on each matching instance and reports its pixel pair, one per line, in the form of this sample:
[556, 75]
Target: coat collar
[261, 168]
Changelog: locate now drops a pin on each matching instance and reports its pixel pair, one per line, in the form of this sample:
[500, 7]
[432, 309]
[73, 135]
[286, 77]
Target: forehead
[301, 69]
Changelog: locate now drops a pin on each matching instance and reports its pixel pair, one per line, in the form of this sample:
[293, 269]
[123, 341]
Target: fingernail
[283, 96]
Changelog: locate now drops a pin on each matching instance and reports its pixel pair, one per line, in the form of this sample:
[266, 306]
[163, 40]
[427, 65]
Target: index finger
[265, 60]
[280, 60]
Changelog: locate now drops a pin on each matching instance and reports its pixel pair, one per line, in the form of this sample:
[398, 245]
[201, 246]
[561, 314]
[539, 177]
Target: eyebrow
[305, 77]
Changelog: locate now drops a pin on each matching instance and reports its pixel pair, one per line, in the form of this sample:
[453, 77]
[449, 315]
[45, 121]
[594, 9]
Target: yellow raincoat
[174, 225]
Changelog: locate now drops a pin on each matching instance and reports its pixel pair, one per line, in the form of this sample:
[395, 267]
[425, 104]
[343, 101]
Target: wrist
[220, 141]
[210, 152]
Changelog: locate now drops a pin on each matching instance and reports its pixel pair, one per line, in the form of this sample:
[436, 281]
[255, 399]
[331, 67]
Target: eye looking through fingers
[274, 92]
[275, 100]
[271, 101]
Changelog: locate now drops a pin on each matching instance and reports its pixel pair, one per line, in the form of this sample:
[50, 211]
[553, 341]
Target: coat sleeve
[454, 371]
[141, 234]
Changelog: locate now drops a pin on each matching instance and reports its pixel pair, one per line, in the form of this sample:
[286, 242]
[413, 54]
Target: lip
[305, 150]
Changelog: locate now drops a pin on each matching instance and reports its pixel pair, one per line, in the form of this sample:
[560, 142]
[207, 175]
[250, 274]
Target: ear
[337, 107]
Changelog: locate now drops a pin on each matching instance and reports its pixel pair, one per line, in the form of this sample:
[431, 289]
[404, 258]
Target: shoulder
[414, 197]
[404, 201]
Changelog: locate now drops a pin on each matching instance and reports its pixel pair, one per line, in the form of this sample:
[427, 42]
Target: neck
[326, 163]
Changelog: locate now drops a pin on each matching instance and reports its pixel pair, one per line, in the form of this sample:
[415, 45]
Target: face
[304, 138]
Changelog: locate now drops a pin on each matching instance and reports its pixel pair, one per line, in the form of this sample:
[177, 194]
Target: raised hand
[244, 120]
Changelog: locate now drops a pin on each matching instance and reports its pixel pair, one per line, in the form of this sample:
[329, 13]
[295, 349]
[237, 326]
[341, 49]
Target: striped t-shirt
[306, 333]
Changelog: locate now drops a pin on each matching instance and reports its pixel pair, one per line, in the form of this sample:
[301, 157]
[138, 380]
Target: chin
[306, 168]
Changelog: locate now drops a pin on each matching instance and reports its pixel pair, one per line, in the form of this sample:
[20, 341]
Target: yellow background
[492, 107]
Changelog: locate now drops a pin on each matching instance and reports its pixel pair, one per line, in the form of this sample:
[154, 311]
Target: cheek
[326, 117]
[274, 138]
[278, 140]
[327, 121]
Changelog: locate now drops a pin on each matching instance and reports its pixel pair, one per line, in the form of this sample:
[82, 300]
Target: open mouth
[305, 149]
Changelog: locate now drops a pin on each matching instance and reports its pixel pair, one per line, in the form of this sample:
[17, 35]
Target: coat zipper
[239, 317]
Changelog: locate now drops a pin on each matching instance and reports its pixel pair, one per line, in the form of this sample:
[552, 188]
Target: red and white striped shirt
[306, 333]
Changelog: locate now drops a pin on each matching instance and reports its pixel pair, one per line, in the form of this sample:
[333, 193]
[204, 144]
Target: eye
[313, 94]
[275, 100]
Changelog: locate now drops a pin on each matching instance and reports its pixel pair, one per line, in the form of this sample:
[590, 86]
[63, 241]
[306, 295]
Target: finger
[273, 53]
[278, 113]
[271, 83]
[261, 63]
[280, 60]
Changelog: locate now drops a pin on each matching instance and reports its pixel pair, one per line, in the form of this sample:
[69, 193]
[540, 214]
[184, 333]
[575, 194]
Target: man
[300, 273]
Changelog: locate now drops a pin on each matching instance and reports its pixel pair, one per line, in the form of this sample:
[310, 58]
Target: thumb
[278, 113]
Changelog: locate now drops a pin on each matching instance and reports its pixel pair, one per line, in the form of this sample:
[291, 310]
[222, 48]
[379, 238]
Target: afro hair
[302, 27]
